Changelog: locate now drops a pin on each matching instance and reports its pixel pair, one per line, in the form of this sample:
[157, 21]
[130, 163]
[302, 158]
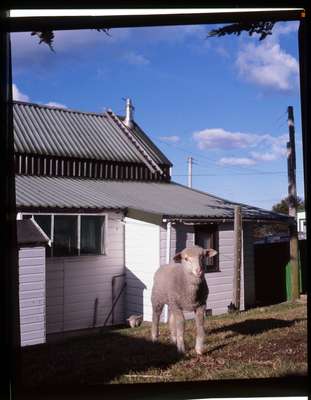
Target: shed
[32, 295]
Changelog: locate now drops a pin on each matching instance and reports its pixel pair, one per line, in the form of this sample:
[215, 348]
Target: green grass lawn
[260, 343]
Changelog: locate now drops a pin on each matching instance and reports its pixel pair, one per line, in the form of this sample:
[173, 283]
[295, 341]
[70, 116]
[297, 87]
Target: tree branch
[261, 28]
[47, 36]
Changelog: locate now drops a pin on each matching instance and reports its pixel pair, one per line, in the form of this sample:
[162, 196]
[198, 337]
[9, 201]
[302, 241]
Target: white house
[101, 191]
[301, 224]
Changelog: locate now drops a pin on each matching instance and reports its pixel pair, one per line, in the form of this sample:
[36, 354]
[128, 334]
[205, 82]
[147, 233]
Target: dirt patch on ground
[289, 348]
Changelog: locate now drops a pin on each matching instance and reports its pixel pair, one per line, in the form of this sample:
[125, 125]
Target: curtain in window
[65, 235]
[92, 234]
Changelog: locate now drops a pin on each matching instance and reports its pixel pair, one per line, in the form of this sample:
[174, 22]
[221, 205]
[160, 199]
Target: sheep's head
[192, 258]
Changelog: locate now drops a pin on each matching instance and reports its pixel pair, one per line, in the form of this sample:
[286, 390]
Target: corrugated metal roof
[61, 132]
[169, 200]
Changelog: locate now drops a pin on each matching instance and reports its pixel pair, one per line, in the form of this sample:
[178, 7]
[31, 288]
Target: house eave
[67, 210]
[219, 220]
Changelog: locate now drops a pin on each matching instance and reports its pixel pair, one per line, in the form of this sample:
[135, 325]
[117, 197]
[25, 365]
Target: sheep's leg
[199, 320]
[180, 327]
[172, 324]
[156, 313]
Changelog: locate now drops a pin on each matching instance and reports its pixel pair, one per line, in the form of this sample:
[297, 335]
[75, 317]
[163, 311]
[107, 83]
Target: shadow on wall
[134, 298]
[91, 359]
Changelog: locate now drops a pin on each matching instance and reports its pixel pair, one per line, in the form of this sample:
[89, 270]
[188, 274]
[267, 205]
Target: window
[92, 234]
[72, 234]
[65, 240]
[44, 221]
[206, 236]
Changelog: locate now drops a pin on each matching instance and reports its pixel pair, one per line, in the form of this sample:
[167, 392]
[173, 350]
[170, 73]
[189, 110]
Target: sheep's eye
[186, 258]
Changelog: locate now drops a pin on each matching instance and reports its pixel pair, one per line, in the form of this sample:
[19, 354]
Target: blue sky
[222, 101]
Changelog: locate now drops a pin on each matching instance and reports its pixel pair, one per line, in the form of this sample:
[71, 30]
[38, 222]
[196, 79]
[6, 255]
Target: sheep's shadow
[256, 326]
[92, 359]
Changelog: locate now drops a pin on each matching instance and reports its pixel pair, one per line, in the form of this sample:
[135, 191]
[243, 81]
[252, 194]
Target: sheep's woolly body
[176, 287]
[183, 288]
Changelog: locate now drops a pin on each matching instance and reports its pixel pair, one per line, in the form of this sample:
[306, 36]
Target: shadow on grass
[92, 359]
[256, 326]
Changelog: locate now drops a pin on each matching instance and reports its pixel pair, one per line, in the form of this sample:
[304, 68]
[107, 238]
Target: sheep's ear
[210, 252]
[177, 257]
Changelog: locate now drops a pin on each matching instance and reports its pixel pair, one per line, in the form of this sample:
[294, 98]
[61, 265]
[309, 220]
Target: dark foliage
[261, 231]
[48, 36]
[261, 28]
[282, 206]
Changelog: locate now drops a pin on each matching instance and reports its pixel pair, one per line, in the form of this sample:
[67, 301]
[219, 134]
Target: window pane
[92, 234]
[206, 237]
[65, 235]
[44, 221]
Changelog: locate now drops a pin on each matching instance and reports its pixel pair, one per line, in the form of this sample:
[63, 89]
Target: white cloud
[170, 139]
[269, 66]
[284, 28]
[258, 148]
[18, 95]
[55, 104]
[266, 64]
[26, 49]
[135, 59]
[218, 138]
[242, 161]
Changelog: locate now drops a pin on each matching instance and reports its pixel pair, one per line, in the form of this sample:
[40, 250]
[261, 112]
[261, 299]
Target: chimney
[128, 121]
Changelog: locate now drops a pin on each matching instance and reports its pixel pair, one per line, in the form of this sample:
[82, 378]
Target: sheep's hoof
[199, 351]
[181, 350]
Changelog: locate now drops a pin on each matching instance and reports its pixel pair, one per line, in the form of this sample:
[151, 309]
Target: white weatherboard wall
[74, 284]
[142, 259]
[220, 283]
[32, 295]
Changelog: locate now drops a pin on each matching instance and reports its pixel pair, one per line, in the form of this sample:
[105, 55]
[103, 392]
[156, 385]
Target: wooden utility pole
[237, 257]
[292, 205]
[190, 162]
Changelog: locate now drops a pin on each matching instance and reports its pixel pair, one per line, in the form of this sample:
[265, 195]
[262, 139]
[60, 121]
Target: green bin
[288, 278]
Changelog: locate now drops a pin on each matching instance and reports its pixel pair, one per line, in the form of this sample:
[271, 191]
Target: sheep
[182, 286]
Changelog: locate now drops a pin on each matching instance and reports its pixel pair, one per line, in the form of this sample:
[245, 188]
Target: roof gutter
[196, 221]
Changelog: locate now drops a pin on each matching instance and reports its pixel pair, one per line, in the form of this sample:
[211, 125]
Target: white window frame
[78, 215]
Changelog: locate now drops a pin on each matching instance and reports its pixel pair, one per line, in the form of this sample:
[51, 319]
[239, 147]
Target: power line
[213, 161]
[241, 173]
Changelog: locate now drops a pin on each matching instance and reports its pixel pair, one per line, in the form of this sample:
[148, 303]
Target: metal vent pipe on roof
[128, 121]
